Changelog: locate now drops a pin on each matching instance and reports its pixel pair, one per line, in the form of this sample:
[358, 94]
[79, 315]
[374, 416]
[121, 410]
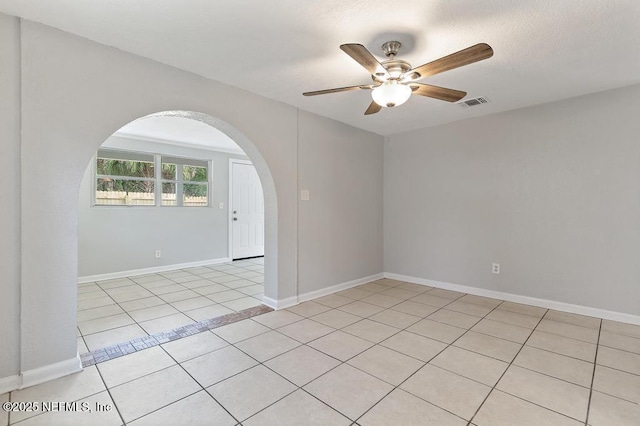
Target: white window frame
[157, 179]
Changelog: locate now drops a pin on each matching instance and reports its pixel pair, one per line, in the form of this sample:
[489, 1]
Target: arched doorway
[115, 242]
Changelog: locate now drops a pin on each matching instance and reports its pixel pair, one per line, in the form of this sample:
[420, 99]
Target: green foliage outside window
[126, 168]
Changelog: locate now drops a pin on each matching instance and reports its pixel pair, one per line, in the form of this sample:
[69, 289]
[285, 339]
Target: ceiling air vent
[473, 102]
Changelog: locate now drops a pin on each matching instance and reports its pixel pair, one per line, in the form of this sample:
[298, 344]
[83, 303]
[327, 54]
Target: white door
[247, 208]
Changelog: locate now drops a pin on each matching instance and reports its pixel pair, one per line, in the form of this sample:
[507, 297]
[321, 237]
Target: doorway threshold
[121, 349]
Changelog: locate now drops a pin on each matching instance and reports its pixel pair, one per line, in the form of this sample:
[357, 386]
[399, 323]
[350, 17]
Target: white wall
[340, 227]
[118, 239]
[75, 94]
[10, 205]
[552, 193]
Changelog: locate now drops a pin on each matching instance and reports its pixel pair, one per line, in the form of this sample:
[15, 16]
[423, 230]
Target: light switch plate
[304, 195]
[221, 205]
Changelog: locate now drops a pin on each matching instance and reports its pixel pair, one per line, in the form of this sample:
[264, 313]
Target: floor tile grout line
[110, 395]
[346, 332]
[423, 318]
[318, 399]
[138, 377]
[570, 323]
[572, 338]
[296, 387]
[621, 371]
[504, 372]
[202, 354]
[549, 375]
[123, 311]
[537, 405]
[136, 322]
[262, 363]
[616, 397]
[516, 396]
[635, 337]
[340, 362]
[171, 366]
[199, 384]
[558, 353]
[593, 376]
[621, 350]
[9, 412]
[427, 363]
[154, 295]
[84, 342]
[450, 344]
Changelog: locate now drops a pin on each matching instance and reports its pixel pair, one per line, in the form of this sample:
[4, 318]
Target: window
[125, 178]
[184, 182]
[135, 179]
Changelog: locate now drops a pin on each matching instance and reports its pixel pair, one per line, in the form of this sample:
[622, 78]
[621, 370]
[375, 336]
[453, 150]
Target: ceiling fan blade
[362, 56]
[444, 94]
[338, 89]
[373, 108]
[459, 59]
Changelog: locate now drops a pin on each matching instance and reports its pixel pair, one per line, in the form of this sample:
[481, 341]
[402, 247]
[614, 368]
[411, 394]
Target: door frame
[233, 161]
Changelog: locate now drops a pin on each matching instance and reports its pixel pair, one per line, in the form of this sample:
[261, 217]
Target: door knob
[235, 218]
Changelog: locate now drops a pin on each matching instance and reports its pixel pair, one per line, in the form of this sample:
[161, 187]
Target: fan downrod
[395, 67]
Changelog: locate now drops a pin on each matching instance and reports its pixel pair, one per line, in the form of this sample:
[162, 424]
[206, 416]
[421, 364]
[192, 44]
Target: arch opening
[261, 168]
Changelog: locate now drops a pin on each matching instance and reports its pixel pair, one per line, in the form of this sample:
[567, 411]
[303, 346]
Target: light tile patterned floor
[123, 309]
[385, 353]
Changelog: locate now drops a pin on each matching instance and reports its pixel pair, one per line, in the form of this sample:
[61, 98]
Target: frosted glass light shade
[391, 94]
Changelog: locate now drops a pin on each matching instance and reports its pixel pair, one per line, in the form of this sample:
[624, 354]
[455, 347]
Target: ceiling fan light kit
[394, 80]
[391, 93]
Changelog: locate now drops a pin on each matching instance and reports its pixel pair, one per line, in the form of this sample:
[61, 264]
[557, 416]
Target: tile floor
[119, 310]
[384, 353]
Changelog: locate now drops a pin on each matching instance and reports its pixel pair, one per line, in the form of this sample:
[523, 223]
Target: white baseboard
[49, 372]
[338, 287]
[294, 300]
[8, 384]
[281, 303]
[542, 303]
[152, 270]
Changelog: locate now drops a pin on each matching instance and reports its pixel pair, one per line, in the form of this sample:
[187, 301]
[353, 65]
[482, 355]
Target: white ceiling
[179, 131]
[545, 50]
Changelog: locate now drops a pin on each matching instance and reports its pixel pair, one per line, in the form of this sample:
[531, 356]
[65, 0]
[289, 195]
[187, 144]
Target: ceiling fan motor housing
[396, 67]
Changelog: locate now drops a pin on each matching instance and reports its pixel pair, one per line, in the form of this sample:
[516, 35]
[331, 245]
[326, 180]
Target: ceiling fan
[394, 80]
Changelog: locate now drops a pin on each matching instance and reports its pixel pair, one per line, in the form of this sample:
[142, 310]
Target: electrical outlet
[495, 268]
[158, 254]
[304, 195]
